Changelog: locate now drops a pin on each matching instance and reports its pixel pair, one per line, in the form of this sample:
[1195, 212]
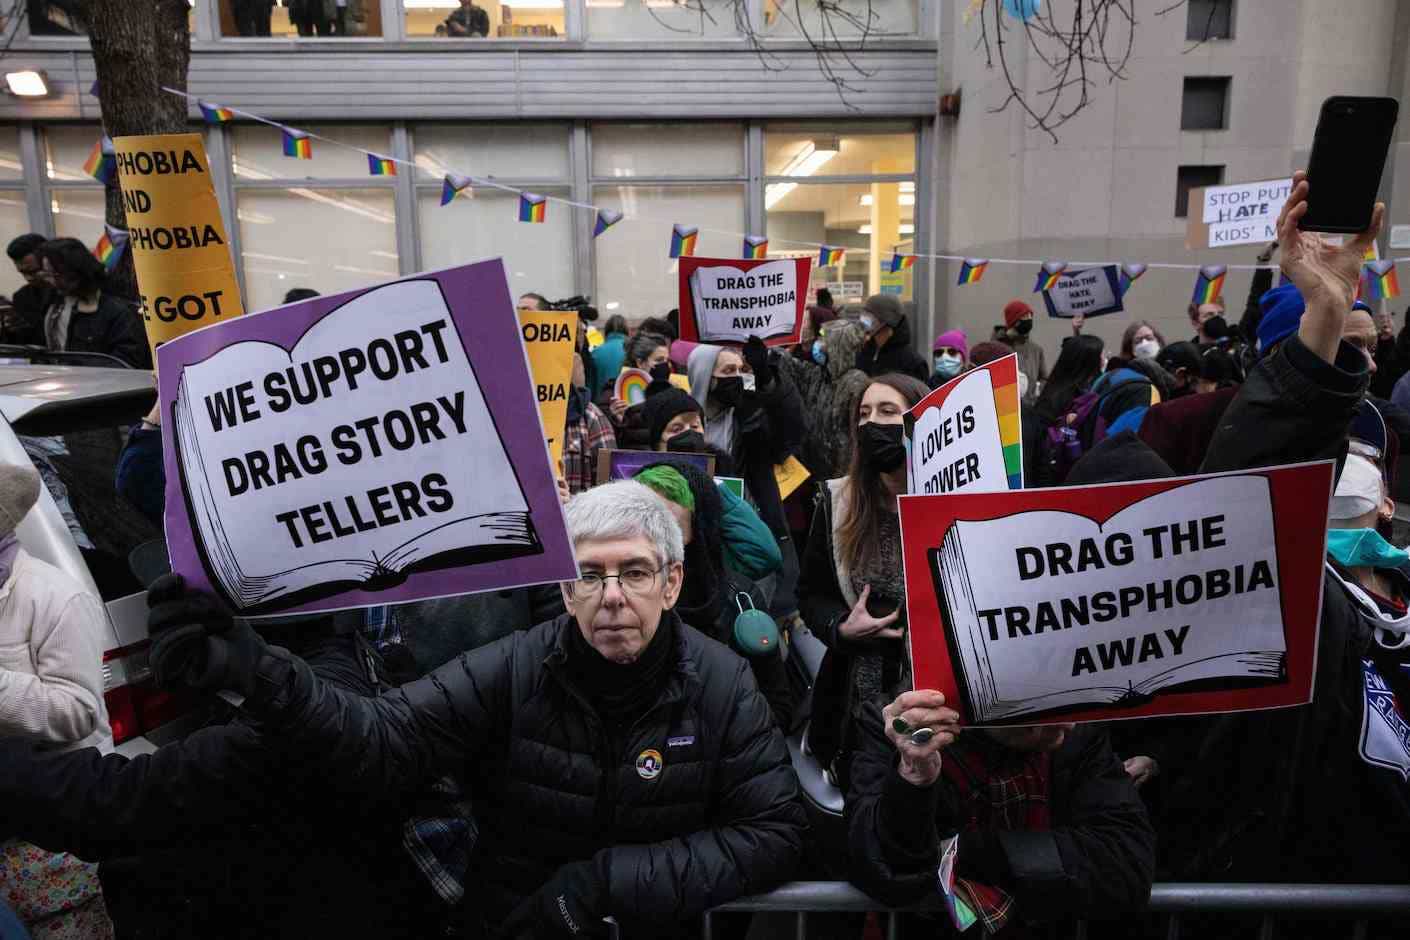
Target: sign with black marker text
[725, 300]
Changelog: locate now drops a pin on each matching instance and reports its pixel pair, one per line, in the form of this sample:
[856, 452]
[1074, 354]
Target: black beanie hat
[658, 410]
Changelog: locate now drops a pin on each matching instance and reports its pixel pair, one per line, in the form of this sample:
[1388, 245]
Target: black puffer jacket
[721, 820]
[1098, 857]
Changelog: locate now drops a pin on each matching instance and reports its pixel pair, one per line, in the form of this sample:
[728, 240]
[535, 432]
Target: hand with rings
[919, 726]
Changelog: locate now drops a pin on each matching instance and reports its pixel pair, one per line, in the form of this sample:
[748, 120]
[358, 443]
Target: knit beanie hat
[1282, 308]
[1014, 311]
[19, 491]
[885, 307]
[658, 410]
[955, 339]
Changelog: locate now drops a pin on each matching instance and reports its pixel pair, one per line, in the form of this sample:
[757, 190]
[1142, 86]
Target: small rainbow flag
[1129, 274]
[532, 207]
[455, 185]
[102, 161]
[110, 246]
[1048, 275]
[755, 247]
[683, 241]
[297, 144]
[972, 270]
[1209, 284]
[1379, 280]
[214, 113]
[830, 256]
[901, 262]
[381, 166]
[606, 218]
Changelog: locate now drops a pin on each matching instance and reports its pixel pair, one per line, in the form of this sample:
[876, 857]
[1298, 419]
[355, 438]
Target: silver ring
[922, 735]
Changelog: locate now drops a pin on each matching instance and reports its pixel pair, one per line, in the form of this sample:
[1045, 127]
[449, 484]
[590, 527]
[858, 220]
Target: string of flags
[1380, 280]
[1209, 284]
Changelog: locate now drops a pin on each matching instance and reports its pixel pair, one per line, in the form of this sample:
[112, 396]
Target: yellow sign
[176, 236]
[790, 475]
[549, 340]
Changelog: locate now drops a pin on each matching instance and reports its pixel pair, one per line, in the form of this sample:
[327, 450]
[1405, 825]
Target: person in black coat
[888, 345]
[1045, 816]
[621, 763]
[83, 317]
[25, 323]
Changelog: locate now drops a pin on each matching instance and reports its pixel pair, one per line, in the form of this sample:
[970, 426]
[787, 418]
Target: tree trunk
[139, 46]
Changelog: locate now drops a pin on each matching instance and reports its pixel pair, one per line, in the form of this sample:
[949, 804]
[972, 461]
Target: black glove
[197, 642]
[757, 355]
[568, 905]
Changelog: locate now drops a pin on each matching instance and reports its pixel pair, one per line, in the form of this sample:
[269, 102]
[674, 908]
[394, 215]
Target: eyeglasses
[635, 581]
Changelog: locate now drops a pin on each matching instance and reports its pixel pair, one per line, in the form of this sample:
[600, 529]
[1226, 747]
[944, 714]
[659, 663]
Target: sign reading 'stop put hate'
[727, 301]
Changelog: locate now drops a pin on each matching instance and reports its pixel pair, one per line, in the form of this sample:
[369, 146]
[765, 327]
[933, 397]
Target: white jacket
[51, 658]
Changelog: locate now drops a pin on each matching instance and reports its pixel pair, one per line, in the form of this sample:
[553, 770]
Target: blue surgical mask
[947, 367]
[819, 354]
[1364, 548]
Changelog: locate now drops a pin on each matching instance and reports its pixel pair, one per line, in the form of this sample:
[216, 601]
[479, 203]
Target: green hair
[668, 482]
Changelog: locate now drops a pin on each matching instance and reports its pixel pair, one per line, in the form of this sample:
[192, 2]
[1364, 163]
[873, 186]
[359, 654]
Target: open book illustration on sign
[368, 447]
[1047, 611]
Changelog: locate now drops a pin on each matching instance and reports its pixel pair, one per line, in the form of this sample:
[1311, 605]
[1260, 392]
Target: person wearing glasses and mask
[623, 765]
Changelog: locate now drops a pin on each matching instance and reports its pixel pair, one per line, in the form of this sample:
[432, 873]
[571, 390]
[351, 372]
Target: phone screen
[1348, 155]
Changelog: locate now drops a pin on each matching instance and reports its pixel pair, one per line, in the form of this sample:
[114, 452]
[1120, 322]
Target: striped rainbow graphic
[900, 262]
[297, 145]
[1379, 280]
[631, 386]
[830, 256]
[1209, 284]
[683, 241]
[755, 248]
[1048, 275]
[101, 163]
[532, 207]
[214, 113]
[381, 166]
[1004, 375]
[108, 251]
[972, 270]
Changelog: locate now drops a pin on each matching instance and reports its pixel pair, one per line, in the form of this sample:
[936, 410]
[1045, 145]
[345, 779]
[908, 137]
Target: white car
[72, 423]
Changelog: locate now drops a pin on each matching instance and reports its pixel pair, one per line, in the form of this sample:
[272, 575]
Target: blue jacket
[1126, 397]
[608, 359]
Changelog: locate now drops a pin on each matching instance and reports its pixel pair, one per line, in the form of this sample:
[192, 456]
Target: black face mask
[686, 442]
[880, 446]
[728, 391]
[1216, 328]
[1023, 327]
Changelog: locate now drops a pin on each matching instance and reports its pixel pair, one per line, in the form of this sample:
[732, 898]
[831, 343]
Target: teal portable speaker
[755, 633]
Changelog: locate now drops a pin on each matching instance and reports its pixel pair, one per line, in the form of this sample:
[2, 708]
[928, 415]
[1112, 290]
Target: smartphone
[748, 378]
[1348, 154]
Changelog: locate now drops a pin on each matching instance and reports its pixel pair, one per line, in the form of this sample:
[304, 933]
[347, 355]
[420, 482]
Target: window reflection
[870, 220]
[486, 19]
[302, 18]
[538, 257]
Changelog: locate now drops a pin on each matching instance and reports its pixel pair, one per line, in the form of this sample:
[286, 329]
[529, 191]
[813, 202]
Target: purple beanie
[955, 338]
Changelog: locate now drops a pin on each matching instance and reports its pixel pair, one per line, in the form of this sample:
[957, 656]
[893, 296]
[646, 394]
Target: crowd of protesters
[554, 761]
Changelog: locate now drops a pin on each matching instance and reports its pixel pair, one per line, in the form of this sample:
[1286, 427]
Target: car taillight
[136, 705]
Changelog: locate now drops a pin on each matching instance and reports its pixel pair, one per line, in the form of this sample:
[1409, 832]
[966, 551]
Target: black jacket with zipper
[721, 820]
[896, 356]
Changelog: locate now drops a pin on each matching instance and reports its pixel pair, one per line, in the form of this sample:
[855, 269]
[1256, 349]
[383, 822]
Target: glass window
[486, 19]
[287, 240]
[10, 166]
[79, 213]
[636, 275]
[1209, 19]
[821, 21]
[326, 18]
[1204, 103]
[537, 256]
[870, 220]
[14, 222]
[667, 150]
[824, 150]
[660, 19]
[66, 149]
[259, 153]
[65, 18]
[1193, 177]
[518, 151]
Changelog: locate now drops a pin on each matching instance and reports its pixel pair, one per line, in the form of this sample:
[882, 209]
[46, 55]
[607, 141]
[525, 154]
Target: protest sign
[179, 248]
[734, 484]
[625, 464]
[1126, 600]
[726, 300]
[373, 447]
[965, 435]
[1090, 292]
[1237, 214]
[549, 337]
[631, 386]
[790, 475]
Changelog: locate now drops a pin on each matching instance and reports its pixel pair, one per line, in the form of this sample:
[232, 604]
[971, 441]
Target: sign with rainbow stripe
[965, 436]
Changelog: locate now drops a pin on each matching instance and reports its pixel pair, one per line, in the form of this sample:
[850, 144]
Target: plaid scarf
[995, 788]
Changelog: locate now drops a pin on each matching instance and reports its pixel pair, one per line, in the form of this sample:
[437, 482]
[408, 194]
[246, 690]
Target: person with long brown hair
[851, 593]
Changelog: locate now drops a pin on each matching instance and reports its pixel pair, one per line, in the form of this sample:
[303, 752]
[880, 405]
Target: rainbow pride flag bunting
[1048, 275]
[214, 113]
[110, 246]
[606, 218]
[683, 241]
[381, 166]
[1209, 283]
[830, 256]
[1379, 280]
[755, 248]
[297, 144]
[1129, 274]
[901, 262]
[972, 270]
[455, 185]
[102, 161]
[532, 207]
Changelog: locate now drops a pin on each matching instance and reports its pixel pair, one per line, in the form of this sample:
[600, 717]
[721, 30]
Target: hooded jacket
[1125, 396]
[895, 356]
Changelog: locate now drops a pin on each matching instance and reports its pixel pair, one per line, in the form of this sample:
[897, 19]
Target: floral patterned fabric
[56, 895]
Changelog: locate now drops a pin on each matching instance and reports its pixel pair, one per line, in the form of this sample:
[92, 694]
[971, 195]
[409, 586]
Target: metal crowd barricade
[1354, 904]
